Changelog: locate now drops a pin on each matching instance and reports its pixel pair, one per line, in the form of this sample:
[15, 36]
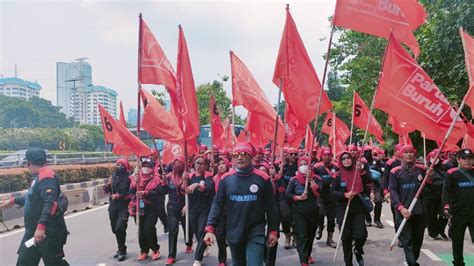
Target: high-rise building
[19, 88]
[95, 95]
[71, 81]
[132, 117]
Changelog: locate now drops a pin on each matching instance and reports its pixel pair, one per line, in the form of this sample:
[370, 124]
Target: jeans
[249, 253]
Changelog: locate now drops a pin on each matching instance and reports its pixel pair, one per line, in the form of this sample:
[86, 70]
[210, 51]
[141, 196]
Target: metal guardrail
[18, 160]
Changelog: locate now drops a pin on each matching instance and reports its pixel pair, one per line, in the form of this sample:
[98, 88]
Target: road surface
[92, 243]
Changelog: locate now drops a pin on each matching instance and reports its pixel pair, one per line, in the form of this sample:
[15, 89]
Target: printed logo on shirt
[326, 176]
[201, 183]
[343, 184]
[333, 170]
[253, 188]
[420, 177]
[409, 186]
[466, 184]
[243, 198]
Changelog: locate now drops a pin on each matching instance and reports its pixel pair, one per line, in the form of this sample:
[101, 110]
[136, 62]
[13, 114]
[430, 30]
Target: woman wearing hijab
[119, 186]
[176, 210]
[223, 167]
[305, 209]
[351, 183]
[147, 188]
[201, 189]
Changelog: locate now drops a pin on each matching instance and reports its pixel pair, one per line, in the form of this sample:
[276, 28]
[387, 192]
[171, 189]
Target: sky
[35, 35]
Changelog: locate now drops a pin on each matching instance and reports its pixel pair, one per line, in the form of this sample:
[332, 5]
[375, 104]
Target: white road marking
[67, 217]
[431, 255]
[390, 223]
[101, 264]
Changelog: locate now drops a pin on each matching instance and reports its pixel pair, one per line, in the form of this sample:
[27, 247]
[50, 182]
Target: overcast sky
[37, 34]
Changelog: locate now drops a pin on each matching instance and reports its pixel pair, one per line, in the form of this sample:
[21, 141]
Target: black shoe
[165, 229]
[368, 223]
[359, 258]
[117, 254]
[399, 244]
[378, 224]
[319, 234]
[443, 236]
[435, 237]
[122, 256]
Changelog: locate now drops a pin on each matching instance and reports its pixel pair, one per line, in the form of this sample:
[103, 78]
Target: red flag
[468, 140]
[301, 86]
[264, 127]
[157, 121]
[229, 135]
[338, 132]
[154, 67]
[404, 139]
[379, 18]
[117, 134]
[217, 130]
[173, 150]
[399, 127]
[468, 44]
[407, 93]
[307, 139]
[295, 131]
[122, 116]
[242, 137]
[361, 114]
[185, 101]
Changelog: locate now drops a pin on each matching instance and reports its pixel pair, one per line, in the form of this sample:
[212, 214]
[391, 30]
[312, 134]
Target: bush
[16, 179]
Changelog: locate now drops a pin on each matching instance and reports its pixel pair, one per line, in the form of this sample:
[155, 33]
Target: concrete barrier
[80, 196]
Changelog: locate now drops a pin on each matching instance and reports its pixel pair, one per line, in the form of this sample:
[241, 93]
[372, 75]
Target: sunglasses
[293, 154]
[239, 154]
[345, 158]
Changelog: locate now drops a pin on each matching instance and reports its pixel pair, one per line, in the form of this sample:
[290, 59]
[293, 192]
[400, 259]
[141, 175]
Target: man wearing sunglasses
[245, 195]
[289, 171]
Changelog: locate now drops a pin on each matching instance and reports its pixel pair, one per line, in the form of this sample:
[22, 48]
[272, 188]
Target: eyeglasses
[293, 154]
[243, 154]
[345, 158]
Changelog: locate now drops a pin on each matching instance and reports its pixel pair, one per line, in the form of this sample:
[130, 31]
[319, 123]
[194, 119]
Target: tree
[335, 89]
[203, 94]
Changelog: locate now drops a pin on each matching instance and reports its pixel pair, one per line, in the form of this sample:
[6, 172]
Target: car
[16, 159]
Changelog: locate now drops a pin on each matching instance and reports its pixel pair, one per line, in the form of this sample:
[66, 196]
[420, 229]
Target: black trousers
[354, 231]
[378, 200]
[197, 223]
[459, 225]
[147, 238]
[221, 243]
[327, 208]
[434, 210]
[285, 213]
[118, 216]
[270, 255]
[305, 225]
[50, 250]
[162, 211]
[411, 236]
[174, 219]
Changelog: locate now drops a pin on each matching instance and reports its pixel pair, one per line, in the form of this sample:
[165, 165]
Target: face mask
[146, 170]
[303, 169]
[434, 163]
[120, 170]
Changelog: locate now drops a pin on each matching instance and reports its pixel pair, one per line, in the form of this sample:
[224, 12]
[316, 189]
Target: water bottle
[141, 205]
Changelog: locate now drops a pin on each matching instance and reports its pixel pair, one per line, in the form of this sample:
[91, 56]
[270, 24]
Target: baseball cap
[36, 156]
[464, 153]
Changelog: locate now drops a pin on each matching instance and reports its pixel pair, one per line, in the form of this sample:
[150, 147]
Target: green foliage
[356, 59]
[32, 113]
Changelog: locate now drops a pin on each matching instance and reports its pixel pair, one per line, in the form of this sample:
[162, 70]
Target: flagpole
[352, 118]
[158, 156]
[318, 109]
[186, 197]
[424, 150]
[420, 189]
[138, 112]
[360, 156]
[233, 124]
[276, 123]
[334, 133]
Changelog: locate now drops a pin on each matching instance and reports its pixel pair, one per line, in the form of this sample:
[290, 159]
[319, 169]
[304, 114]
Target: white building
[95, 95]
[19, 88]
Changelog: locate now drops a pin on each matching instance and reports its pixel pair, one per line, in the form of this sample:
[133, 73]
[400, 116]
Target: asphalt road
[92, 243]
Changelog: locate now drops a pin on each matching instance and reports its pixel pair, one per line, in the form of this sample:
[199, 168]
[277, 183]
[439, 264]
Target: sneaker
[116, 254]
[359, 258]
[170, 261]
[437, 237]
[319, 234]
[165, 229]
[311, 260]
[378, 224]
[443, 236]
[122, 256]
[156, 255]
[368, 223]
[189, 249]
[197, 263]
[287, 241]
[143, 256]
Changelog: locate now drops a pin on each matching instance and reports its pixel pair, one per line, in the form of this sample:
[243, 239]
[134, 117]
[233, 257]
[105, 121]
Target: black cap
[464, 153]
[36, 156]
[147, 161]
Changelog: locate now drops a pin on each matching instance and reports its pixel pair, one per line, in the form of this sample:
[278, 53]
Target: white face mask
[434, 163]
[303, 169]
[147, 170]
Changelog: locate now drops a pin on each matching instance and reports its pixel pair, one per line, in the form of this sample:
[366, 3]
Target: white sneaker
[197, 263]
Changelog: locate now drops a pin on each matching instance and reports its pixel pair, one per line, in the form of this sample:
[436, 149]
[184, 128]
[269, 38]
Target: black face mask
[120, 170]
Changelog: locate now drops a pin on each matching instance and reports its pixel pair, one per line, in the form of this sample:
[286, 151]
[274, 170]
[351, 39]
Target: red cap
[326, 151]
[303, 158]
[244, 147]
[398, 147]
[407, 148]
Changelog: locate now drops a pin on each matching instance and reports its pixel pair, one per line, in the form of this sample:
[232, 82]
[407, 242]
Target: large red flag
[217, 130]
[308, 139]
[229, 135]
[185, 101]
[380, 17]
[404, 139]
[157, 121]
[173, 150]
[117, 134]
[361, 115]
[122, 116]
[295, 131]
[468, 43]
[264, 127]
[399, 127]
[408, 94]
[338, 133]
[468, 140]
[154, 67]
[301, 86]
[117, 149]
